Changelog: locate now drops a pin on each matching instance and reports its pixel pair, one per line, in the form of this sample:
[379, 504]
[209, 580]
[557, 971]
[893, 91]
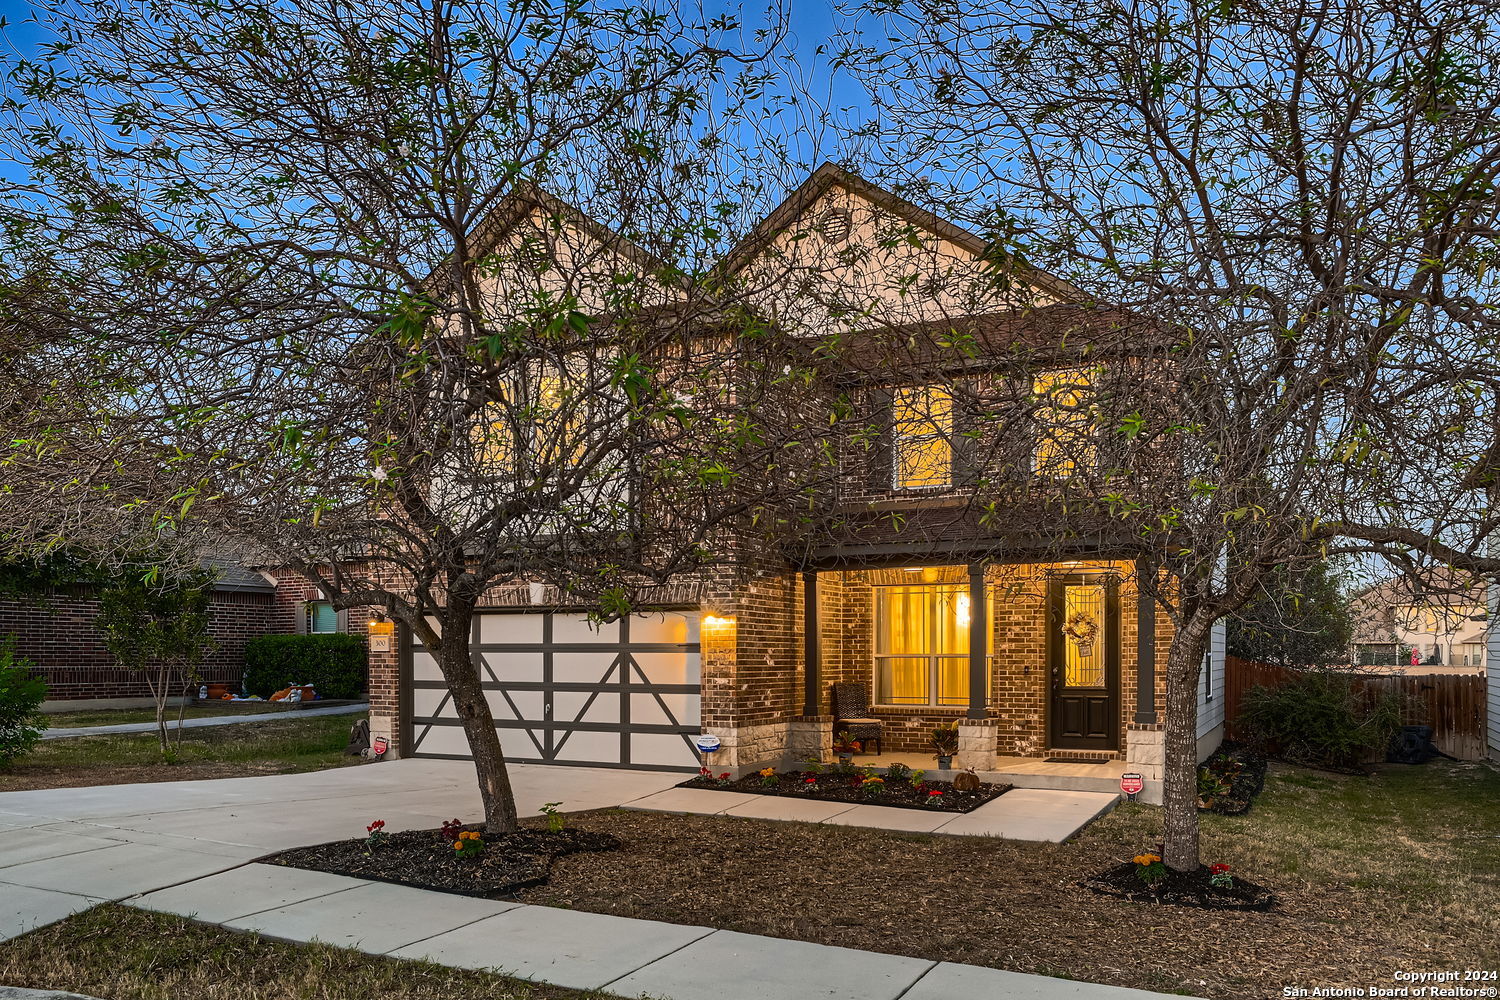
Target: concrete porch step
[1105, 781]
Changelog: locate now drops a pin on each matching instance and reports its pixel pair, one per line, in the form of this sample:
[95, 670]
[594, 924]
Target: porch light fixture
[961, 609]
[715, 621]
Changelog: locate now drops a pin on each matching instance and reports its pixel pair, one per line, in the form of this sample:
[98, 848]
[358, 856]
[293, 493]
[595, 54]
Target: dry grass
[1398, 871]
[127, 954]
[277, 747]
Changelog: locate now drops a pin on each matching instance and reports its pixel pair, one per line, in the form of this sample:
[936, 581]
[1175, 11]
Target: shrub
[1321, 718]
[334, 664]
[21, 695]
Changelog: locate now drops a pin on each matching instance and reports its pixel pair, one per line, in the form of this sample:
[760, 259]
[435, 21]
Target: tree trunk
[159, 695]
[462, 676]
[1180, 784]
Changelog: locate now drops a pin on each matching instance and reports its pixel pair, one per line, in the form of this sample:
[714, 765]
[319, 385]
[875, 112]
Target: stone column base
[745, 747]
[810, 737]
[1145, 753]
[978, 744]
[384, 725]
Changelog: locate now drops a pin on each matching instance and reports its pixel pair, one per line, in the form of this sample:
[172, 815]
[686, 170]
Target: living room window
[922, 435]
[922, 644]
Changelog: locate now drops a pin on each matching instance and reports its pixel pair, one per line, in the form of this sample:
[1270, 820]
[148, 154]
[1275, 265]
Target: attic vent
[835, 225]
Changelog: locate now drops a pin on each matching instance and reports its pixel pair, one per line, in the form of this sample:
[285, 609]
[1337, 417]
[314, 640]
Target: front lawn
[119, 952]
[297, 743]
[1398, 871]
[121, 716]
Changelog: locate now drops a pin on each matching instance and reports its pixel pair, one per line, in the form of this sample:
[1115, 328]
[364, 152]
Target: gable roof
[527, 197]
[831, 175]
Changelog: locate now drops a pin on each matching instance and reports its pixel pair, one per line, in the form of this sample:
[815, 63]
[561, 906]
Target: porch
[1048, 670]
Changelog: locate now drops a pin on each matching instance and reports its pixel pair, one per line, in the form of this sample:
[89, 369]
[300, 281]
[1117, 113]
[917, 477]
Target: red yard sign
[379, 747]
[1131, 783]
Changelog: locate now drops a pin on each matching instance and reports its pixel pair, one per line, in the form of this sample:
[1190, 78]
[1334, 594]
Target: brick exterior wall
[56, 632]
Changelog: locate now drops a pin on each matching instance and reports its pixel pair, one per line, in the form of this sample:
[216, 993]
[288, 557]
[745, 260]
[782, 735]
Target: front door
[1083, 642]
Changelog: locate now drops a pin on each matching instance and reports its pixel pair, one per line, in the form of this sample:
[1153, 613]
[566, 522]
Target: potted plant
[945, 744]
[846, 747]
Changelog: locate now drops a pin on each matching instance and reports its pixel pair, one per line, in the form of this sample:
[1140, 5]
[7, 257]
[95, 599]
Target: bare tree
[403, 298]
[1288, 214]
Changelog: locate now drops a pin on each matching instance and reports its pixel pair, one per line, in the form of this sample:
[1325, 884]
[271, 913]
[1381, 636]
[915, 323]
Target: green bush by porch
[335, 664]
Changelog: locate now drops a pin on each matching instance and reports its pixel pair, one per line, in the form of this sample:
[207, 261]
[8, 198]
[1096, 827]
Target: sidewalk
[1020, 814]
[580, 950]
[213, 720]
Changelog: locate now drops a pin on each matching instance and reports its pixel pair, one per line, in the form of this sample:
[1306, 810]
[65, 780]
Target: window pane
[1083, 635]
[322, 618]
[1066, 441]
[922, 428]
[950, 617]
[901, 680]
[903, 616]
[953, 680]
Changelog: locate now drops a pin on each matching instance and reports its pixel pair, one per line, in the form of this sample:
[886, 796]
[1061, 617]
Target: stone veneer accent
[977, 740]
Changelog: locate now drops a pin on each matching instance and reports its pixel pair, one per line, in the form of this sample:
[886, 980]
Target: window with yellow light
[922, 644]
[1067, 441]
[922, 431]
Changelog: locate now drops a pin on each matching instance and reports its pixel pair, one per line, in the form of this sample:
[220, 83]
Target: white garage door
[564, 690]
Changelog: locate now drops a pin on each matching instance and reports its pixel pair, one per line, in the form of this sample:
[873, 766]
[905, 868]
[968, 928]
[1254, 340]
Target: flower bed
[1231, 779]
[899, 787]
[457, 858]
[1208, 888]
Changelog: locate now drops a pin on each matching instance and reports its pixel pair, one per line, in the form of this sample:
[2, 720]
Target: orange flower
[1147, 859]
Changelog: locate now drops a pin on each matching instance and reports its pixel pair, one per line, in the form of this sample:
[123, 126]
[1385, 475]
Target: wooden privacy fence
[1452, 704]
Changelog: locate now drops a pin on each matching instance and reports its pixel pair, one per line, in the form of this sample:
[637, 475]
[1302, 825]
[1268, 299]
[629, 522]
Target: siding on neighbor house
[1211, 702]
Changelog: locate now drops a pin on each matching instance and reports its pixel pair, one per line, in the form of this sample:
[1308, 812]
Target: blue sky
[812, 24]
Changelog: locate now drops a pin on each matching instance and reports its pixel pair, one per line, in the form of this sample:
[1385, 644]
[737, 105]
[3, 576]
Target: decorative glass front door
[1084, 653]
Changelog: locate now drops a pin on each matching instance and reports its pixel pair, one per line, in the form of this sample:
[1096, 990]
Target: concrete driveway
[62, 850]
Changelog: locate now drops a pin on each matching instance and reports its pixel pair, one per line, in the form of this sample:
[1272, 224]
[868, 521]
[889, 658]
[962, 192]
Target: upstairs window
[1067, 442]
[922, 437]
[541, 415]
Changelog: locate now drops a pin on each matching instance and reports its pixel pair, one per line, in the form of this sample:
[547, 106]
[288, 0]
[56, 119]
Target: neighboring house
[1440, 615]
[55, 630]
[1047, 656]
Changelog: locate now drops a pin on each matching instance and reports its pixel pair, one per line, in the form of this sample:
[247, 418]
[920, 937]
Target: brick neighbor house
[55, 631]
[937, 631]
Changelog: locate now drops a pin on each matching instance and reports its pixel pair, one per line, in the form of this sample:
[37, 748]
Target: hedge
[335, 664]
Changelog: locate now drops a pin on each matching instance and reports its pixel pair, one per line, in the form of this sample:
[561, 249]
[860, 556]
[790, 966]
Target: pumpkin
[966, 781]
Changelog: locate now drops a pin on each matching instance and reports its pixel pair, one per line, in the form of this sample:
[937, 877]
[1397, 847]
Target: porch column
[1145, 657]
[812, 647]
[979, 630]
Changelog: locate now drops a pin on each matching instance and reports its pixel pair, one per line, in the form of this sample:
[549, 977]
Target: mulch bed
[850, 786]
[424, 859]
[1180, 889]
[1243, 769]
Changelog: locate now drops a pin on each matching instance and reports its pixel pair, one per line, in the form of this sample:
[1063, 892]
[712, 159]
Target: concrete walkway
[585, 951]
[1020, 814]
[188, 847]
[213, 720]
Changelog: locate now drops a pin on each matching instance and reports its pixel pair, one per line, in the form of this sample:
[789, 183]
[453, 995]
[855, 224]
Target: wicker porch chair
[851, 714]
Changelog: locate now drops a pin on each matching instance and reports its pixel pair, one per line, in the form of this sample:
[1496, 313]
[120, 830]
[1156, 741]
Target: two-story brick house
[1037, 646]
